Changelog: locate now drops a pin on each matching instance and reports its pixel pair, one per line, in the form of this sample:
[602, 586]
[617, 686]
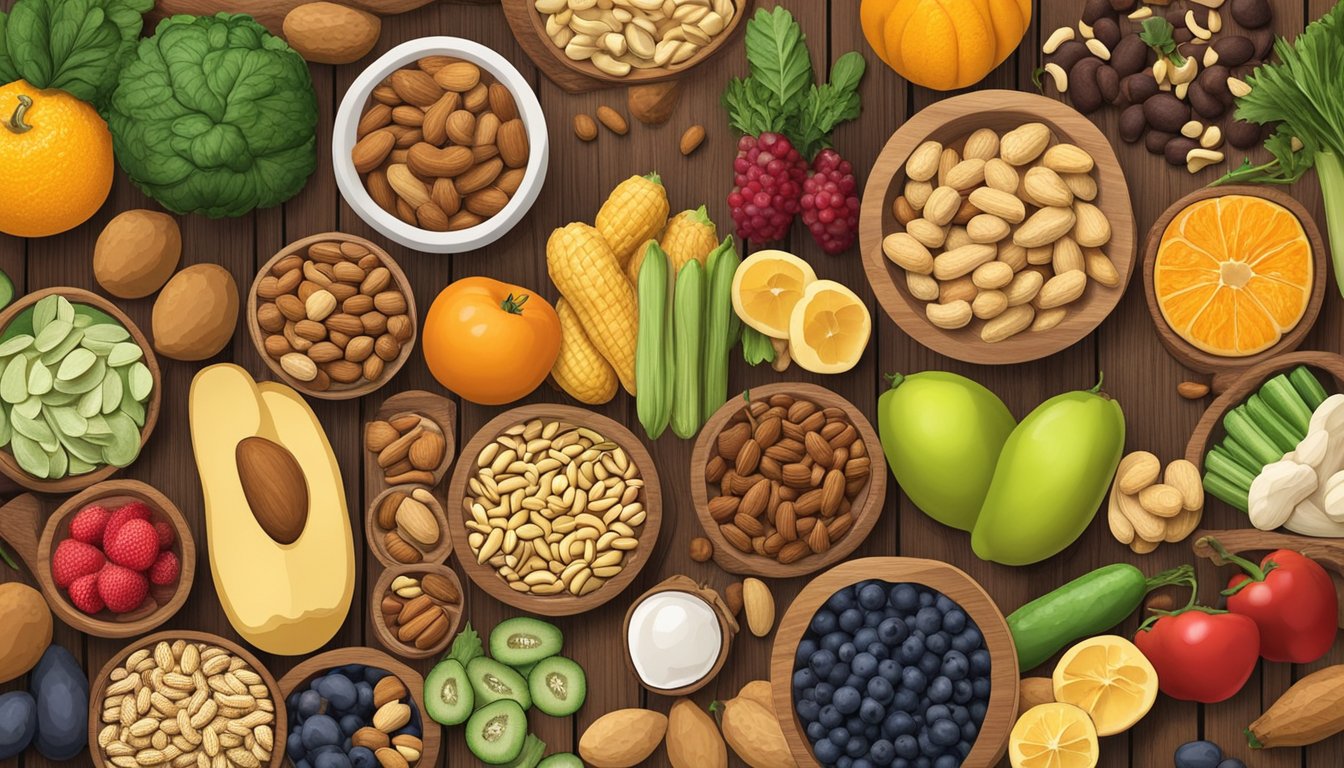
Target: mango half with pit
[277, 528]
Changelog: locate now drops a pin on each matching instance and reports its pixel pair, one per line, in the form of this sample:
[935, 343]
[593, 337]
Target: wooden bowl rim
[430, 732]
[564, 604]
[9, 466]
[636, 76]
[869, 503]
[874, 218]
[184, 546]
[1185, 352]
[1210, 423]
[373, 535]
[384, 584]
[337, 391]
[726, 632]
[280, 728]
[946, 578]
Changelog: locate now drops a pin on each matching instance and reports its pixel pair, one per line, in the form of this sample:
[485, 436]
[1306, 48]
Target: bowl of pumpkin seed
[79, 390]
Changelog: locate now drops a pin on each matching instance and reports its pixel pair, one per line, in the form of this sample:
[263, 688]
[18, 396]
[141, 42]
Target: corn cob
[580, 369]
[689, 235]
[583, 267]
[635, 211]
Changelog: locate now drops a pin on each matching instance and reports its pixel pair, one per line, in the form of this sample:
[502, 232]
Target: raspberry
[134, 510]
[122, 589]
[84, 594]
[830, 202]
[88, 524]
[73, 559]
[164, 570]
[166, 534]
[135, 545]
[768, 176]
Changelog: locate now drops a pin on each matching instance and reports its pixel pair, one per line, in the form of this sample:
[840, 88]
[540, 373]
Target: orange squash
[944, 44]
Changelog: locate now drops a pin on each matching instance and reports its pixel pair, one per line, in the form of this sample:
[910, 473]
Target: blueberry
[839, 736]
[929, 664]
[821, 662]
[913, 680]
[338, 690]
[807, 710]
[947, 761]
[909, 620]
[969, 640]
[845, 761]
[944, 733]
[881, 690]
[979, 662]
[364, 697]
[362, 757]
[872, 712]
[294, 747]
[822, 693]
[829, 716]
[892, 631]
[871, 619]
[872, 596]
[857, 682]
[1198, 754]
[912, 650]
[906, 700]
[925, 598]
[906, 746]
[839, 674]
[864, 665]
[833, 640]
[856, 726]
[897, 724]
[955, 665]
[841, 601]
[310, 703]
[863, 762]
[903, 597]
[980, 688]
[826, 752]
[872, 733]
[960, 714]
[889, 670]
[969, 731]
[882, 752]
[847, 652]
[320, 730]
[937, 712]
[857, 746]
[978, 710]
[351, 723]
[815, 732]
[804, 678]
[938, 643]
[824, 622]
[851, 620]
[332, 760]
[940, 690]
[302, 764]
[879, 651]
[954, 621]
[372, 675]
[927, 749]
[847, 700]
[928, 620]
[922, 762]
[1231, 762]
[865, 637]
[806, 647]
[963, 692]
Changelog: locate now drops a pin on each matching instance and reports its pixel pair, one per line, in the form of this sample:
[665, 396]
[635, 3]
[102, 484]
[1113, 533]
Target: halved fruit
[1053, 735]
[449, 697]
[829, 328]
[523, 640]
[558, 686]
[496, 732]
[1233, 274]
[766, 287]
[492, 681]
[1109, 678]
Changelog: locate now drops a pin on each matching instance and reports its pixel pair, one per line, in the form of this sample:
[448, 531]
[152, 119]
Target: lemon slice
[766, 287]
[829, 328]
[1109, 678]
[1053, 735]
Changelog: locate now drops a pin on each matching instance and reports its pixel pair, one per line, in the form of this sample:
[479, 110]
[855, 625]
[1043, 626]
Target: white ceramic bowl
[352, 106]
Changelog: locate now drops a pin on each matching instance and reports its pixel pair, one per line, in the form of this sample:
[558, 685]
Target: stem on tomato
[15, 123]
[1179, 576]
[1255, 572]
[514, 306]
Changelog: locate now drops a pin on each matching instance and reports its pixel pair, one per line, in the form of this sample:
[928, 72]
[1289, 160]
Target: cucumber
[721, 326]
[688, 338]
[1240, 455]
[1251, 437]
[1280, 432]
[653, 347]
[1217, 461]
[1226, 491]
[1280, 395]
[1086, 606]
[1308, 386]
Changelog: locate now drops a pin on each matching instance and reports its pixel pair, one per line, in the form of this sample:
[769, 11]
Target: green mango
[941, 434]
[1051, 478]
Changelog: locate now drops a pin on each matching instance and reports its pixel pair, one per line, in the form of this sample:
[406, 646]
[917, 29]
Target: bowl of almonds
[332, 315]
[554, 509]
[440, 145]
[417, 608]
[997, 228]
[406, 525]
[784, 482]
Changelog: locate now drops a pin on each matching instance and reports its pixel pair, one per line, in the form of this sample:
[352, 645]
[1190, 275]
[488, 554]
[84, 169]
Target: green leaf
[777, 53]
[1036, 75]
[77, 46]
[8, 72]
[829, 105]
[749, 108]
[466, 646]
[1158, 33]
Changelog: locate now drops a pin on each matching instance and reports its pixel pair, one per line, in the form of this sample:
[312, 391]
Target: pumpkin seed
[79, 467]
[124, 353]
[14, 381]
[90, 378]
[133, 408]
[141, 381]
[58, 352]
[76, 364]
[39, 378]
[5, 431]
[58, 464]
[82, 449]
[29, 408]
[15, 345]
[52, 335]
[44, 311]
[68, 421]
[126, 440]
[82, 321]
[34, 430]
[32, 459]
[90, 403]
[106, 332]
[111, 392]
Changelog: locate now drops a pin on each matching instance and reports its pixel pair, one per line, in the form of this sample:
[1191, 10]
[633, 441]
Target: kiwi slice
[523, 640]
[558, 686]
[496, 732]
[449, 698]
[491, 681]
[561, 760]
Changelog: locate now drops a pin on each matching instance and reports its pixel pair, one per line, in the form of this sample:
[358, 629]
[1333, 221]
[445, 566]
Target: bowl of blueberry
[895, 662]
[357, 708]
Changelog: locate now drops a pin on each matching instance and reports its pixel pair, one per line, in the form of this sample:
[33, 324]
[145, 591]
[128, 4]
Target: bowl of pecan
[440, 145]
[784, 482]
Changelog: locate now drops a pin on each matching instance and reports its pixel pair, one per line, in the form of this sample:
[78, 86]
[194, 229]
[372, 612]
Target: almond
[585, 128]
[759, 606]
[1067, 158]
[427, 638]
[1045, 187]
[377, 116]
[400, 549]
[1045, 227]
[440, 588]
[330, 33]
[1061, 289]
[427, 160]
[1014, 320]
[511, 138]
[417, 522]
[691, 139]
[273, 483]
[387, 690]
[1091, 228]
[427, 451]
[416, 87]
[923, 162]
[477, 178]
[461, 128]
[372, 150]
[1024, 143]
[613, 120]
[435, 124]
[1161, 499]
[459, 76]
[407, 186]
[501, 102]
[487, 128]
[1137, 471]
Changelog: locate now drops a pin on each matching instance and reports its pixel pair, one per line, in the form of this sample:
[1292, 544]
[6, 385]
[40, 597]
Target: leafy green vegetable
[466, 646]
[78, 46]
[1158, 33]
[779, 94]
[215, 115]
[1303, 94]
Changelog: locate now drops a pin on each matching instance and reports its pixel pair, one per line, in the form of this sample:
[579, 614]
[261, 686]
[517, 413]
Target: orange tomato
[488, 341]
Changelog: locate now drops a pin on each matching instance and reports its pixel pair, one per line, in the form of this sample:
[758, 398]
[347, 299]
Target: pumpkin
[944, 44]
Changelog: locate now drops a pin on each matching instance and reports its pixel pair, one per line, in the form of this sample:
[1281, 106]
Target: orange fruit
[1233, 274]
[57, 158]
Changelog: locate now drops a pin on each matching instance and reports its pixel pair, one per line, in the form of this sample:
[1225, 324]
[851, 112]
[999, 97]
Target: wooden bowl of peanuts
[248, 726]
[332, 315]
[997, 228]
[569, 495]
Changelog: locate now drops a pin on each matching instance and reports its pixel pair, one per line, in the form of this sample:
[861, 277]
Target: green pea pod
[941, 434]
[1051, 478]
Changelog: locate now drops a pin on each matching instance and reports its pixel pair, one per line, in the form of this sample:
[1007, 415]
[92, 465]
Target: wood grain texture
[270, 13]
[9, 466]
[866, 506]
[992, 742]
[387, 637]
[1185, 352]
[949, 122]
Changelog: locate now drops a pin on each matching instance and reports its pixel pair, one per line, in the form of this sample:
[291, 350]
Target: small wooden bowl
[950, 121]
[385, 634]
[280, 728]
[1188, 354]
[563, 604]
[309, 668]
[20, 521]
[373, 533]
[992, 742]
[71, 483]
[867, 506]
[336, 391]
[529, 28]
[1328, 366]
[439, 410]
[728, 629]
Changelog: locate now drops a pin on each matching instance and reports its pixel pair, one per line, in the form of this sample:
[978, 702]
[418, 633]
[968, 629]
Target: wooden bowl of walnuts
[332, 315]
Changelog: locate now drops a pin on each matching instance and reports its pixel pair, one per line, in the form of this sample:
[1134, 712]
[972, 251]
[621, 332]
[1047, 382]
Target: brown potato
[137, 253]
[196, 313]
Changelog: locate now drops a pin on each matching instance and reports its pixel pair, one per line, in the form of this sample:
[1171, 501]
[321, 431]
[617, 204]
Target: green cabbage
[214, 115]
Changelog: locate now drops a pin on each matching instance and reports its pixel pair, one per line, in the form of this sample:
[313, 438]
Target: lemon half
[766, 287]
[1110, 679]
[1053, 735]
[829, 328]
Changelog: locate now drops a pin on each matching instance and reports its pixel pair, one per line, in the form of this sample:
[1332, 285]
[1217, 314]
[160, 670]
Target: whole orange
[56, 153]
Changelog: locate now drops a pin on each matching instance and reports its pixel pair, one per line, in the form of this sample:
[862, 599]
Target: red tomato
[1200, 654]
[1291, 598]
[490, 342]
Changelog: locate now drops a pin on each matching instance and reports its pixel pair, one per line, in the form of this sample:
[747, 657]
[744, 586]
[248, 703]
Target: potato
[195, 314]
[27, 621]
[136, 253]
[328, 33]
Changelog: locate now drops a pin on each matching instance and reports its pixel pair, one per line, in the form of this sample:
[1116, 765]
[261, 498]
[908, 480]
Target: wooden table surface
[1138, 372]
